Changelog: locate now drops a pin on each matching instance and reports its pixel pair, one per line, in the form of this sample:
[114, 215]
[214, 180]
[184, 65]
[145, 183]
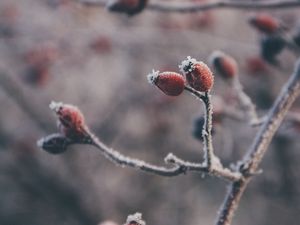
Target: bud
[170, 83]
[198, 75]
[271, 46]
[224, 64]
[265, 23]
[70, 120]
[54, 143]
[130, 7]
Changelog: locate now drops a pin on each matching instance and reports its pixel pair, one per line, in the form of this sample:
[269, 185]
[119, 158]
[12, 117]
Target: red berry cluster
[197, 74]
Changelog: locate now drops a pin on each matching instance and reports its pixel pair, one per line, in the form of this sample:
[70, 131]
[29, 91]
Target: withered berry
[54, 143]
[129, 7]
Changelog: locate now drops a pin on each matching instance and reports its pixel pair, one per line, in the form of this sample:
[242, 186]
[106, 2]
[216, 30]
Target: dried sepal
[171, 83]
[198, 74]
[54, 143]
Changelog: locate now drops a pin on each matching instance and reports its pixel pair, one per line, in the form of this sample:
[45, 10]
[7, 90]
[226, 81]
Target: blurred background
[97, 60]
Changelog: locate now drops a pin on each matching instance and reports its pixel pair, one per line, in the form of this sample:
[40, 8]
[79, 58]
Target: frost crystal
[137, 218]
[187, 65]
[40, 142]
[169, 158]
[151, 77]
[55, 106]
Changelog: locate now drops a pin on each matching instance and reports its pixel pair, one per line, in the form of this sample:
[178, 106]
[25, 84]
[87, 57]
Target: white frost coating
[187, 65]
[40, 142]
[137, 217]
[55, 106]
[169, 158]
[151, 77]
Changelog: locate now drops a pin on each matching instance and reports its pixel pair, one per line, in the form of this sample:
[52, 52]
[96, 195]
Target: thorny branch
[254, 156]
[191, 7]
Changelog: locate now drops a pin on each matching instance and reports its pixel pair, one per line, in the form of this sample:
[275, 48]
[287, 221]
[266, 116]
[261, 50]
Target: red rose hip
[198, 74]
[265, 23]
[170, 83]
[224, 65]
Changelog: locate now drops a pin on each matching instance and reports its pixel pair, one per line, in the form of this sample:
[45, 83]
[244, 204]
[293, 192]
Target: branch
[192, 7]
[180, 166]
[245, 101]
[254, 156]
[74, 131]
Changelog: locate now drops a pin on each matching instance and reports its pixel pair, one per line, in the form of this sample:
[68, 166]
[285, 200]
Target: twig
[180, 166]
[255, 154]
[196, 7]
[245, 101]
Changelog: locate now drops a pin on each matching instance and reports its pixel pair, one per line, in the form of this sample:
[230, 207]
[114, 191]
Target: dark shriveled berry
[271, 46]
[54, 143]
[129, 7]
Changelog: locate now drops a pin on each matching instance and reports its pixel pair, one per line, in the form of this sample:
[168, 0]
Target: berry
[198, 75]
[296, 38]
[224, 64]
[129, 7]
[265, 23]
[54, 143]
[170, 83]
[70, 121]
[271, 46]
[256, 65]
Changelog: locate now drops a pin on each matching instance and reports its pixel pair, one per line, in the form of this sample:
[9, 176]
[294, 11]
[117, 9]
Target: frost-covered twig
[180, 166]
[190, 7]
[73, 130]
[209, 157]
[254, 156]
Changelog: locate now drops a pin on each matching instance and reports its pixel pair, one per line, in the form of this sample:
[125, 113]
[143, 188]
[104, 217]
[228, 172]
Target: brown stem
[189, 7]
[255, 154]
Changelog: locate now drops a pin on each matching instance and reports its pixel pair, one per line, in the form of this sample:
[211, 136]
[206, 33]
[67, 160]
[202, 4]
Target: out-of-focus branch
[190, 7]
[254, 156]
[245, 101]
[16, 93]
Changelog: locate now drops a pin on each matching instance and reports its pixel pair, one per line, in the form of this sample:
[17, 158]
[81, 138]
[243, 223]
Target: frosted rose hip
[170, 83]
[224, 64]
[198, 74]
